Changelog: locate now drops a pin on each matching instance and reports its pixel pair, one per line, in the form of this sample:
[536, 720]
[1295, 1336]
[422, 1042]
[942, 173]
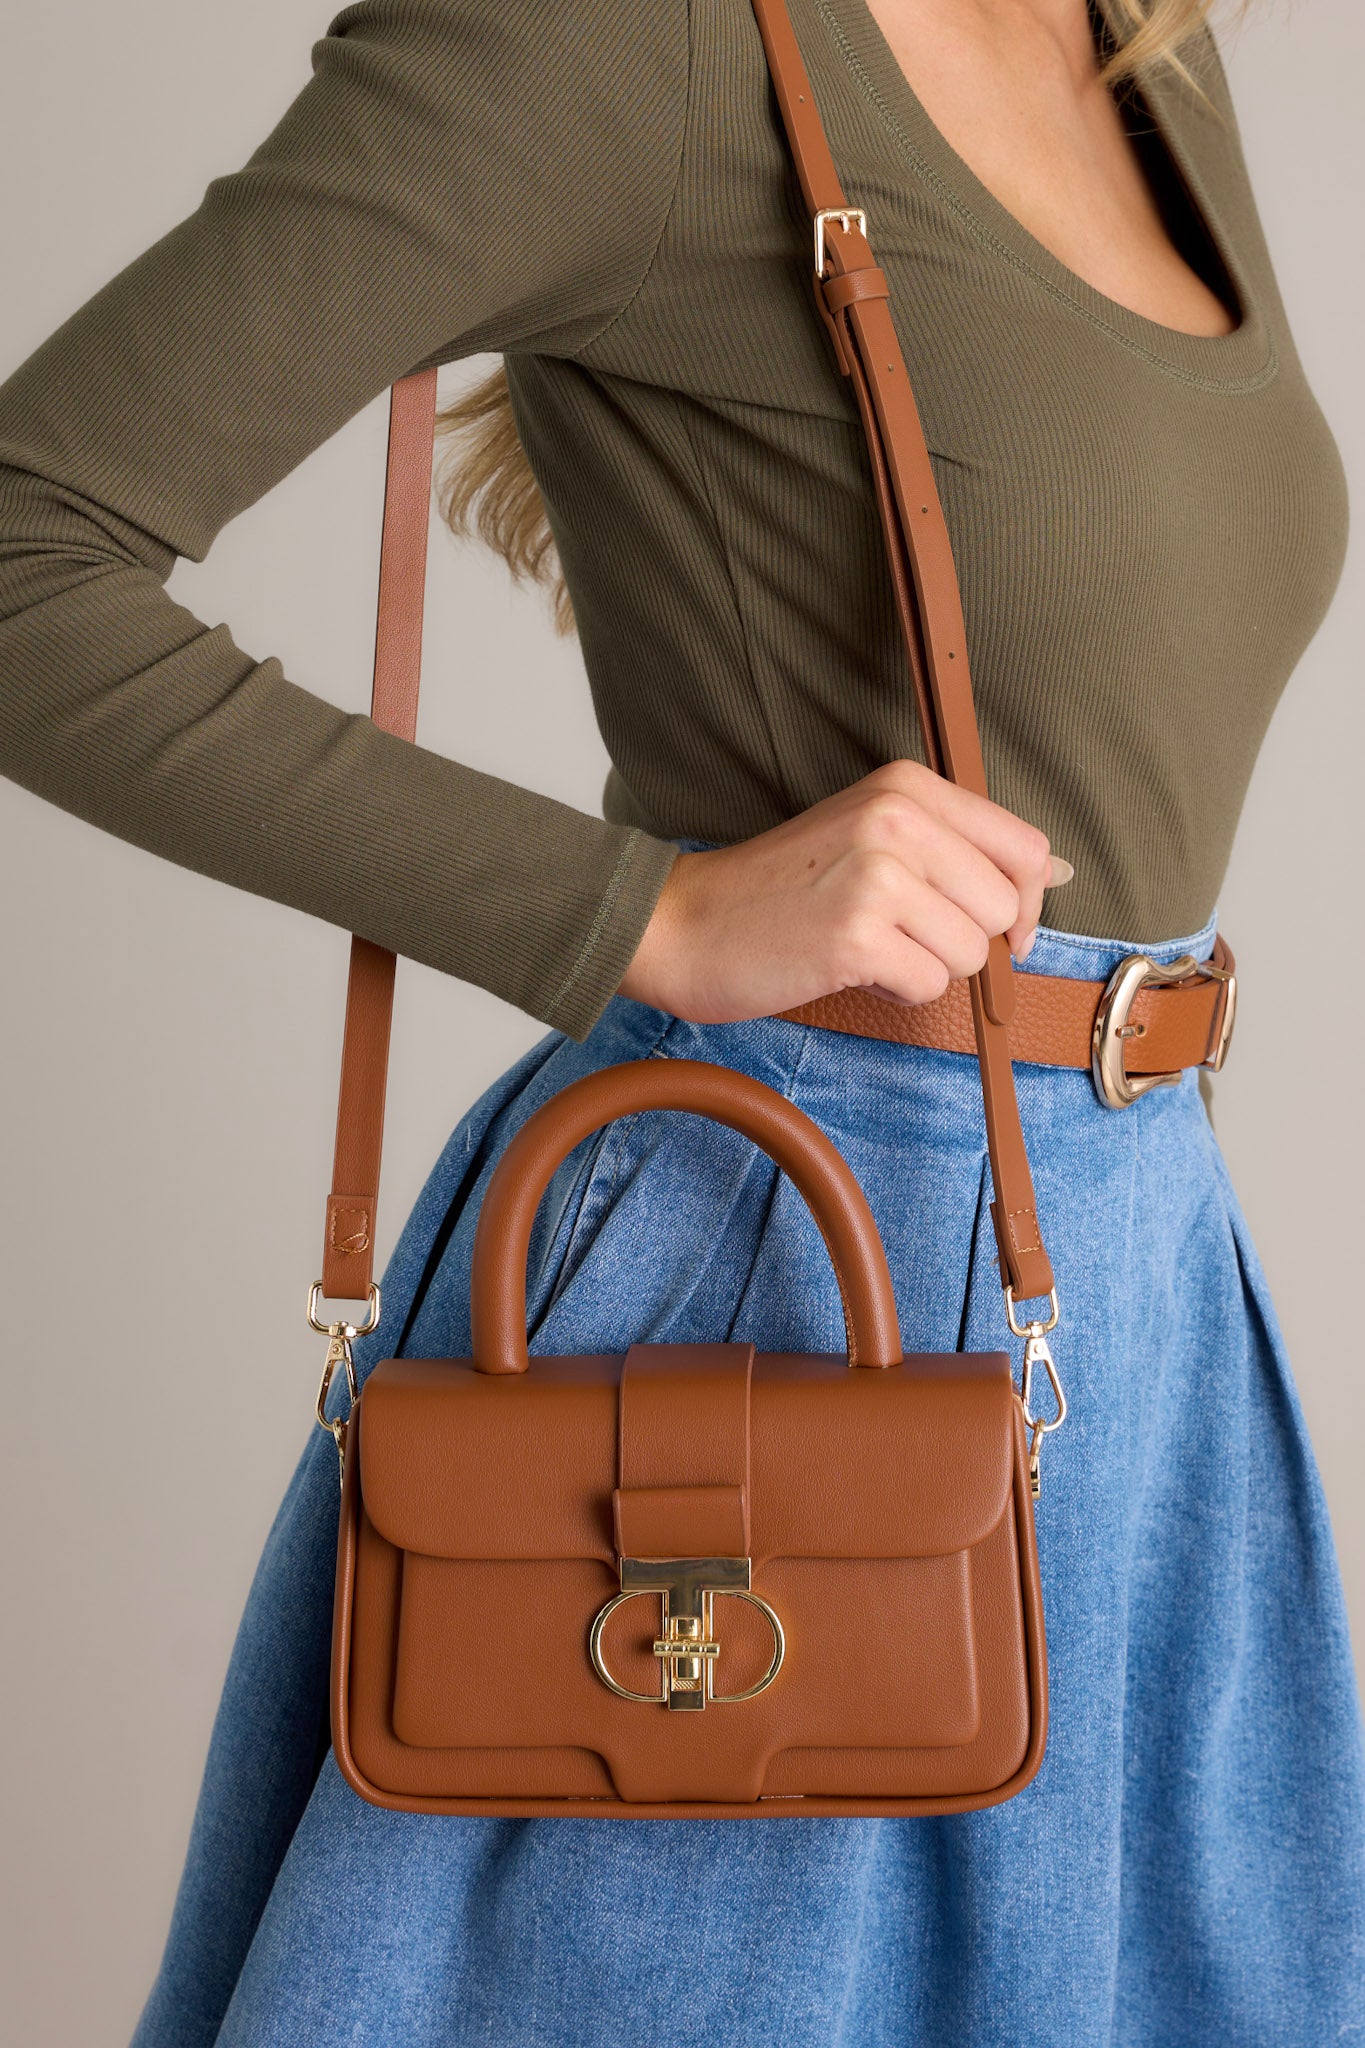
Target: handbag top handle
[818, 1170]
[851, 296]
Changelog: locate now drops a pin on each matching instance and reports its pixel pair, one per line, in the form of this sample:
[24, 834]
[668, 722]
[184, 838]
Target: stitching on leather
[355, 1241]
[1014, 1233]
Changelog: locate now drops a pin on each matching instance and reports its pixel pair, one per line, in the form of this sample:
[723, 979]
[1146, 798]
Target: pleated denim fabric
[1189, 1865]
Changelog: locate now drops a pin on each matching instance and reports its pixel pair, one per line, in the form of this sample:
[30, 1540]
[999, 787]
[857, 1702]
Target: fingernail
[1027, 946]
[1062, 871]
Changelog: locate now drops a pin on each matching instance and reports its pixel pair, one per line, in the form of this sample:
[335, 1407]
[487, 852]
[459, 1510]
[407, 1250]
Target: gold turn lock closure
[687, 1646]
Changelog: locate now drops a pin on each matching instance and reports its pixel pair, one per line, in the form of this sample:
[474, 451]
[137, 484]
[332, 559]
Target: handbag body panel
[889, 1523]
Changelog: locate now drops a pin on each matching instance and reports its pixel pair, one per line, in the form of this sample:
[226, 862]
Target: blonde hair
[1154, 33]
[484, 483]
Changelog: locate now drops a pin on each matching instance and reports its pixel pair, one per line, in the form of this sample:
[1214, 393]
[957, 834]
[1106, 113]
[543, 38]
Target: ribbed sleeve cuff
[642, 867]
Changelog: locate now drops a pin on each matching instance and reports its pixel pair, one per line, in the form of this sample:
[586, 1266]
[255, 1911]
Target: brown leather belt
[1136, 1031]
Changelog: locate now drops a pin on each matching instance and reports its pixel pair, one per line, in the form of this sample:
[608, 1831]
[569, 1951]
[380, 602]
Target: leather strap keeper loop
[350, 1235]
[681, 1521]
[855, 284]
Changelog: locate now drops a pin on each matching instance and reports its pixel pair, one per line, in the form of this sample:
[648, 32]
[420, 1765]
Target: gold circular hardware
[599, 1665]
[660, 1698]
[730, 1699]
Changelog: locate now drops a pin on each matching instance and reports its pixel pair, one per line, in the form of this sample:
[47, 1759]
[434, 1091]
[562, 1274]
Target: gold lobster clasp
[1037, 1351]
[339, 1337]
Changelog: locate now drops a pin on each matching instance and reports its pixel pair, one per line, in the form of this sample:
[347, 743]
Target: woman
[1148, 514]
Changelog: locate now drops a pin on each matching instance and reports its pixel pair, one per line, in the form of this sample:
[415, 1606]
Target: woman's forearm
[122, 706]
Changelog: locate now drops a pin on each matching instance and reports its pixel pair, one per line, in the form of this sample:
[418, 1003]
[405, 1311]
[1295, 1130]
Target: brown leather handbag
[696, 1580]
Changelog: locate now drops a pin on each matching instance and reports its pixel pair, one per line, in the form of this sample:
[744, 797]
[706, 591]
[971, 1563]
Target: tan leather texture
[676, 1502]
[884, 1509]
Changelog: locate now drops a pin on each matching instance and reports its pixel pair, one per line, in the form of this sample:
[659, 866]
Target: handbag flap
[914, 1460]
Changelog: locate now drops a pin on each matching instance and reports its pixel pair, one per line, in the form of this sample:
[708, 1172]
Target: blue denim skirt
[1188, 1866]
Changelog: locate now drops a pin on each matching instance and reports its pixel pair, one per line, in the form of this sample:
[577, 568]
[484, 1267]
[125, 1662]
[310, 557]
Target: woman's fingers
[892, 903]
[1017, 850]
[936, 853]
[913, 975]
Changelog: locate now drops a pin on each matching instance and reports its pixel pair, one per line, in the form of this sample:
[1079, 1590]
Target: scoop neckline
[1243, 358]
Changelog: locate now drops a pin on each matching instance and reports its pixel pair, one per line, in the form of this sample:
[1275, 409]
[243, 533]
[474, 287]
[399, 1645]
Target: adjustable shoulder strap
[851, 296]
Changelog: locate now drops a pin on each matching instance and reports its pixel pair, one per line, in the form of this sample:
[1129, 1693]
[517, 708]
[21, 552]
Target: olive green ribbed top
[1148, 524]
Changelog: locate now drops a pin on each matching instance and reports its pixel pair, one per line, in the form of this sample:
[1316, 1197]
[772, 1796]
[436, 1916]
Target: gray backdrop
[170, 1046]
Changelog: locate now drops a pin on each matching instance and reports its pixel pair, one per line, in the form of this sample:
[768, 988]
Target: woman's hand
[895, 884]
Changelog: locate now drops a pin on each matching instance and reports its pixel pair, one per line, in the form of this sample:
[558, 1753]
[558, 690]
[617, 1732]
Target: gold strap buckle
[1115, 1086]
[848, 217]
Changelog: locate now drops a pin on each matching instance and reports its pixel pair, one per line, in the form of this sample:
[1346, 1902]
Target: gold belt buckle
[1115, 1086]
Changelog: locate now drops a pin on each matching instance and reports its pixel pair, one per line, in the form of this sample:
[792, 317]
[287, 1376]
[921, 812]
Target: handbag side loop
[789, 1137]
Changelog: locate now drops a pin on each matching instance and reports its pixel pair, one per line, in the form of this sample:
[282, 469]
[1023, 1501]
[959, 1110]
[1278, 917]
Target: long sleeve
[482, 174]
